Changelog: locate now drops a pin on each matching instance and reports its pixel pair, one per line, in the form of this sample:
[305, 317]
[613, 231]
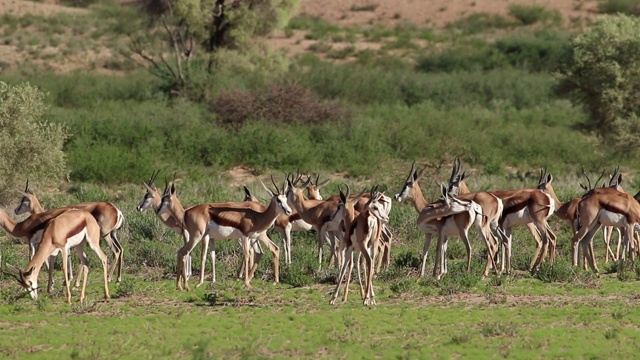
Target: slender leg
[66, 274]
[103, 259]
[425, 252]
[84, 263]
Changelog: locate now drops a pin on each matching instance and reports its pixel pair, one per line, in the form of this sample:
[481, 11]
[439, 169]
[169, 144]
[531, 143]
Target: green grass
[518, 316]
[156, 321]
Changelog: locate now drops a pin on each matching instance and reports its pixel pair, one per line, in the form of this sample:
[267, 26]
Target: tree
[193, 31]
[602, 73]
[31, 148]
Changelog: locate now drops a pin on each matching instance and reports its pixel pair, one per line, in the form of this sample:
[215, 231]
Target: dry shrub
[281, 102]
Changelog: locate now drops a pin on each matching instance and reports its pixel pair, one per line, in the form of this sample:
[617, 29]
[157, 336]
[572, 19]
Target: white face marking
[283, 205]
[403, 194]
[145, 203]
[24, 206]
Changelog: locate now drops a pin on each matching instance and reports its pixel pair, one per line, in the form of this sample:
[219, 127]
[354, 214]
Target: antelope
[70, 229]
[174, 207]
[152, 199]
[524, 207]
[30, 231]
[604, 206]
[457, 185]
[108, 216]
[362, 234]
[567, 211]
[319, 213]
[458, 224]
[384, 258]
[285, 224]
[226, 221]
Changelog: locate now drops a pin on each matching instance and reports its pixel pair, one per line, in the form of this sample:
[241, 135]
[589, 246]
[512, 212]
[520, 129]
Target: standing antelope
[226, 221]
[320, 214]
[473, 210]
[362, 234]
[71, 229]
[605, 206]
[285, 224]
[524, 207]
[108, 216]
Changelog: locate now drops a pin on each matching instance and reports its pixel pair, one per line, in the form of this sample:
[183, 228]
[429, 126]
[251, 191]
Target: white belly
[220, 232]
[301, 225]
[521, 217]
[76, 239]
[608, 218]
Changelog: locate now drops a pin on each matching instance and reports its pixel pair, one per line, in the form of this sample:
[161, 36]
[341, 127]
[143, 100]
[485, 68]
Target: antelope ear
[549, 178]
[149, 188]
[26, 273]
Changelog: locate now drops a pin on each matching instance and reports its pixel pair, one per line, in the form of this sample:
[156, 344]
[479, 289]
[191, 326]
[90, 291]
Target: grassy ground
[520, 318]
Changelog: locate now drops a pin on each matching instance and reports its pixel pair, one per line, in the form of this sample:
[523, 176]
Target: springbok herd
[350, 223]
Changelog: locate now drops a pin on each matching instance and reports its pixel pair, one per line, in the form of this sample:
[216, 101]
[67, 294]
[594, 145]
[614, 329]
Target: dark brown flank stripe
[295, 217]
[222, 221]
[77, 229]
[514, 208]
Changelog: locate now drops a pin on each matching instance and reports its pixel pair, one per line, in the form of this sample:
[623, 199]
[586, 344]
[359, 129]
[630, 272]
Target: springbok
[71, 229]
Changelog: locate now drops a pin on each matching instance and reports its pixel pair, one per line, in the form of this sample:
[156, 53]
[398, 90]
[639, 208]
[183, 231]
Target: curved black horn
[274, 184]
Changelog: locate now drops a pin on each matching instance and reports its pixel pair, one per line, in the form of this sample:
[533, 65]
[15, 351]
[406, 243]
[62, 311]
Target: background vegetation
[485, 89]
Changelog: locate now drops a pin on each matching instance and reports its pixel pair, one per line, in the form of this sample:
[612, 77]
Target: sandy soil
[436, 13]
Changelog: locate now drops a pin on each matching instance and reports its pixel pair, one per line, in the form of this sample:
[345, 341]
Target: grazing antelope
[605, 206]
[30, 231]
[71, 229]
[108, 216]
[362, 234]
[457, 224]
[226, 221]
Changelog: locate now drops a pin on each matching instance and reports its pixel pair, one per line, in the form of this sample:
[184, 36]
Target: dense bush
[629, 7]
[601, 73]
[279, 102]
[538, 51]
[31, 146]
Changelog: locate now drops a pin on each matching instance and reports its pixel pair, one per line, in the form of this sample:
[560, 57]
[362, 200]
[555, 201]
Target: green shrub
[125, 288]
[531, 14]
[403, 286]
[295, 276]
[560, 271]
[480, 22]
[31, 146]
[629, 7]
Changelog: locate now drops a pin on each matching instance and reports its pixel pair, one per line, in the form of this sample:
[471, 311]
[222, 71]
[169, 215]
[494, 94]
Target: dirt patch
[437, 13]
[20, 8]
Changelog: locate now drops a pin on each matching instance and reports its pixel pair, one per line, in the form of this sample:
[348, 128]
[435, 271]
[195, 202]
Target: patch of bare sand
[436, 13]
[20, 8]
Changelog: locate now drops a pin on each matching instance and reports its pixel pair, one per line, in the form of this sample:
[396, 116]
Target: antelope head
[28, 198]
[152, 197]
[280, 196]
[24, 279]
[409, 184]
[313, 188]
[456, 181]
